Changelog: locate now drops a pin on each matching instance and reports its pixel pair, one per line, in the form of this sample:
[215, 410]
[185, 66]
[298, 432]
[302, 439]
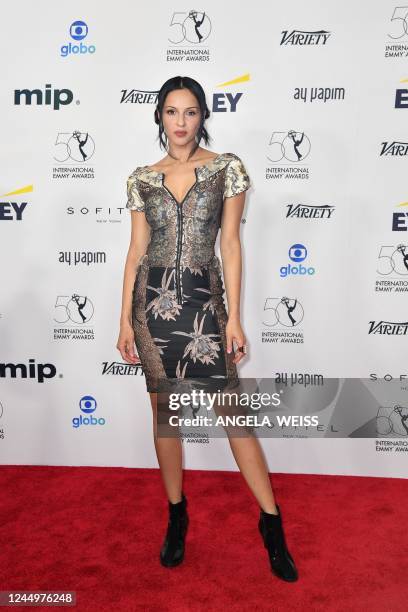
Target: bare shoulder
[159, 166]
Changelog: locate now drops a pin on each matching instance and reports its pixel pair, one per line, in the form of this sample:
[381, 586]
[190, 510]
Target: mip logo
[78, 31]
[11, 210]
[87, 404]
[50, 97]
[297, 253]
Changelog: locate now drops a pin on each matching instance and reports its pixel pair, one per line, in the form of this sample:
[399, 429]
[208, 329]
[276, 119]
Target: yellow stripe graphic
[241, 79]
[25, 189]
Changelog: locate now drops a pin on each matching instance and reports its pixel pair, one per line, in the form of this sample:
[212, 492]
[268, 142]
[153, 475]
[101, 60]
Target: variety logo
[36, 371]
[304, 37]
[11, 210]
[138, 96]
[78, 31]
[297, 253]
[396, 148]
[87, 404]
[388, 328]
[49, 97]
[117, 368]
[309, 211]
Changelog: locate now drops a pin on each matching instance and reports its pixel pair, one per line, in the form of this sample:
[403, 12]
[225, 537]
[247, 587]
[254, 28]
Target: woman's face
[181, 117]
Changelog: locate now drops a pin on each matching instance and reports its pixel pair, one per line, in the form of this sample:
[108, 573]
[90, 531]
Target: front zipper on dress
[179, 206]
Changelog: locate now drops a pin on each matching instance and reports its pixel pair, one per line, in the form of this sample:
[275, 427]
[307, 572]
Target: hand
[126, 344]
[233, 332]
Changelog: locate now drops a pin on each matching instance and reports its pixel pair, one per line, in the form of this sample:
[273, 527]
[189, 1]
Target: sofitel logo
[304, 37]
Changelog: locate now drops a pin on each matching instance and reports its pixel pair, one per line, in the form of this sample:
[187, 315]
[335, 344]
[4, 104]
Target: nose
[180, 120]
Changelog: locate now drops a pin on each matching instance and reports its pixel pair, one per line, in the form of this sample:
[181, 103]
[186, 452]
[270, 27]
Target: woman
[172, 304]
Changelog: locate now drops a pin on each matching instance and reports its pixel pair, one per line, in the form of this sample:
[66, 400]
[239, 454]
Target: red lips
[180, 133]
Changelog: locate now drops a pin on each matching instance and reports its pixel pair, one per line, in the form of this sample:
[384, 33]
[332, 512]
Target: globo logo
[297, 253]
[296, 270]
[78, 31]
[87, 404]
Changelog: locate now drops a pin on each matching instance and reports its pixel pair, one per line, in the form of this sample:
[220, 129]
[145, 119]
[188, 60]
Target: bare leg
[170, 457]
[250, 459]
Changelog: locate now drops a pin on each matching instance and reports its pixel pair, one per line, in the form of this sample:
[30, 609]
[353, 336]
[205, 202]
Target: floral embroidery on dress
[202, 346]
[209, 304]
[181, 373]
[160, 347]
[165, 304]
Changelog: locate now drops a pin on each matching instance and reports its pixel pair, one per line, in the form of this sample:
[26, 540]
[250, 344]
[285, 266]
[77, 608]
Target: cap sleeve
[134, 199]
[236, 178]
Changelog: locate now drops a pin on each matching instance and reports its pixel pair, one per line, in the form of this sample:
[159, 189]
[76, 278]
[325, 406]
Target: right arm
[139, 240]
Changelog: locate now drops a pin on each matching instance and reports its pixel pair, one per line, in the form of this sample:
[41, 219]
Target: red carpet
[99, 530]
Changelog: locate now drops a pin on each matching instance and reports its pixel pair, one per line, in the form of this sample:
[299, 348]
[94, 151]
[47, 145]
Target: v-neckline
[196, 168]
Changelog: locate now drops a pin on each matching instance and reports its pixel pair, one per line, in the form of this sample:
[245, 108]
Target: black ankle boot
[282, 564]
[172, 551]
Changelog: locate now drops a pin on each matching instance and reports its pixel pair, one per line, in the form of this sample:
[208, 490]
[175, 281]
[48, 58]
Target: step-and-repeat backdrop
[314, 99]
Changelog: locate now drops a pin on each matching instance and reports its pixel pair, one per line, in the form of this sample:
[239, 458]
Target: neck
[179, 156]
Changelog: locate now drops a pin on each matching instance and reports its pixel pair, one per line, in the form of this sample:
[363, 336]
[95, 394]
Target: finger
[229, 343]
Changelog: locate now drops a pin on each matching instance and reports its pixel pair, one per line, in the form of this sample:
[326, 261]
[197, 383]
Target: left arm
[230, 248]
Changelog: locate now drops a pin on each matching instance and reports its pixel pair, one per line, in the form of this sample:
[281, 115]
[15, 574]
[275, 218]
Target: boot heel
[281, 561]
[172, 550]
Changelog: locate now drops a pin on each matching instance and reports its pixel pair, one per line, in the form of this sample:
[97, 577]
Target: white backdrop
[330, 74]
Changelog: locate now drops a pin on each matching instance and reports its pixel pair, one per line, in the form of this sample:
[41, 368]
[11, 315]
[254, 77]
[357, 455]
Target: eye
[170, 111]
[192, 112]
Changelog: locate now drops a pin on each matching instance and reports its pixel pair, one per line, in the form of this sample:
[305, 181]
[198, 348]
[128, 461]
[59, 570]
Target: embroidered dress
[178, 308]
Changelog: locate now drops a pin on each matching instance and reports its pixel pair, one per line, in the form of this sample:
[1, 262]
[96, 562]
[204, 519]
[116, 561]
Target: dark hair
[180, 82]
